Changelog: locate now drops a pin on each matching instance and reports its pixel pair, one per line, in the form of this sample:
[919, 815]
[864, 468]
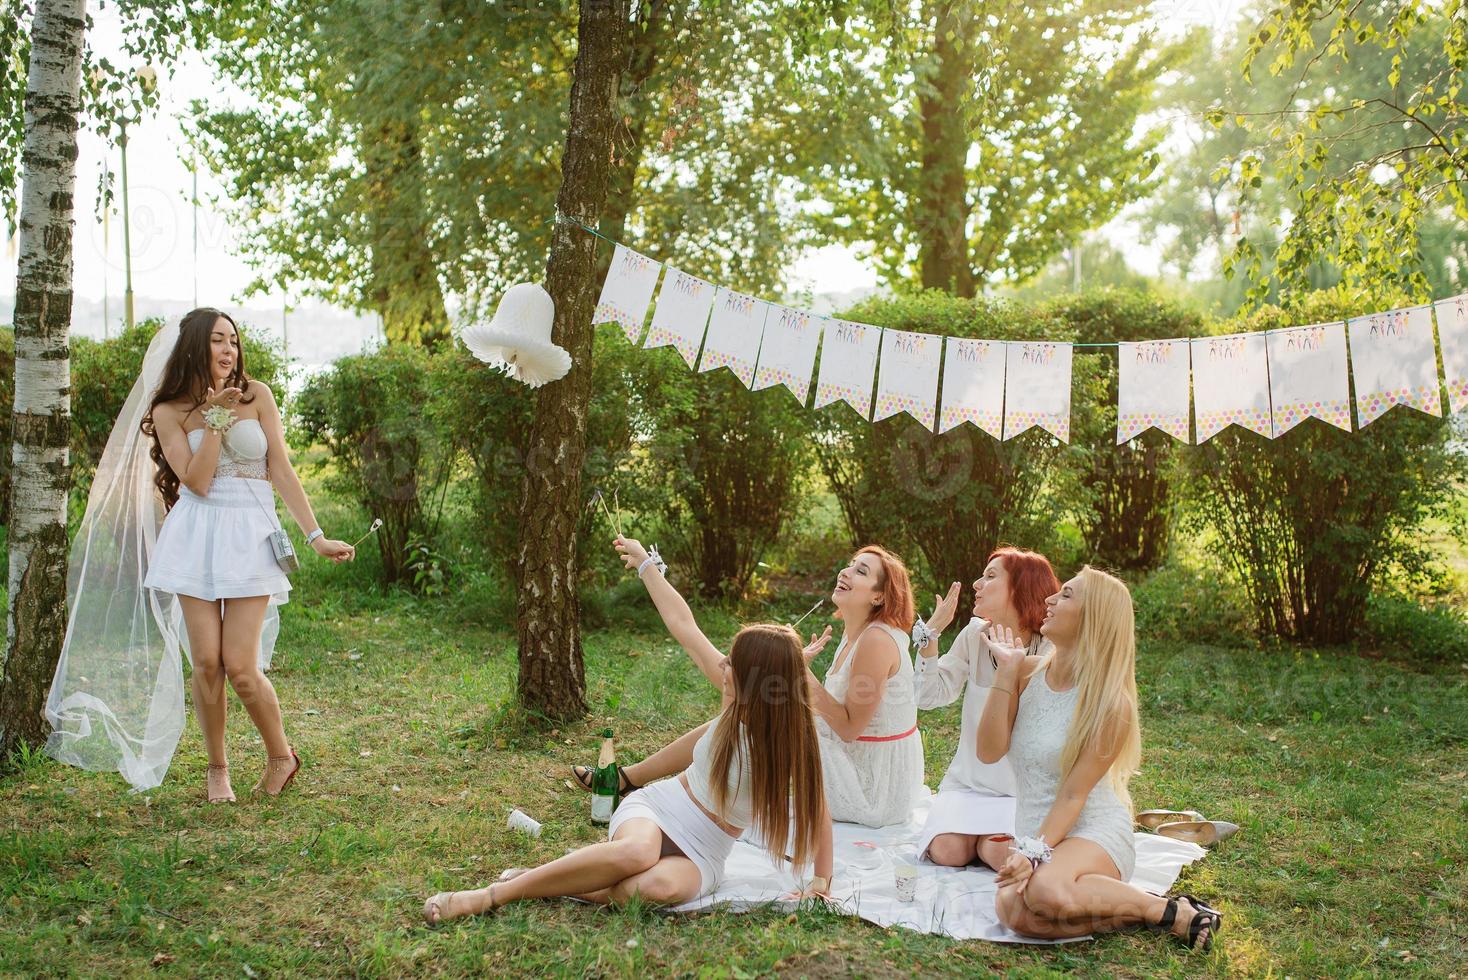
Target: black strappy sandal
[584, 774]
[1204, 917]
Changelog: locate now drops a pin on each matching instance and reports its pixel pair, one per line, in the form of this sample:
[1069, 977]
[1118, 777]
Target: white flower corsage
[219, 418]
[1033, 848]
[653, 558]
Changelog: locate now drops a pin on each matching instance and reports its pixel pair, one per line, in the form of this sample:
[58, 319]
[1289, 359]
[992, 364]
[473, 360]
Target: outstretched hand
[944, 609]
[227, 398]
[632, 552]
[1007, 648]
[816, 645]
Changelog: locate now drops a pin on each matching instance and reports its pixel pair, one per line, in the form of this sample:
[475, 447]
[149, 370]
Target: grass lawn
[1347, 774]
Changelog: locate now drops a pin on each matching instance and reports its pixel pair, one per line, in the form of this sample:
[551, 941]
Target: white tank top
[739, 808]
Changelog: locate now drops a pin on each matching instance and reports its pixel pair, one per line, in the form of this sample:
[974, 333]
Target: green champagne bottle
[604, 782]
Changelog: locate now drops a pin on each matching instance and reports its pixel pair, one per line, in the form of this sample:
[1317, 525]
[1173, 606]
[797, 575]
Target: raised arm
[195, 470]
[996, 724]
[874, 660]
[677, 617]
[940, 680]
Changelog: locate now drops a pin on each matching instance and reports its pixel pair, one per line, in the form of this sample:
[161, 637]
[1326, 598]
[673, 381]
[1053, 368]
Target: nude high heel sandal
[218, 788]
[1205, 832]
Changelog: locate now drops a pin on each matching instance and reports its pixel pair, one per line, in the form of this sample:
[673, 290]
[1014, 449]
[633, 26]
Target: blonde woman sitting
[1069, 725]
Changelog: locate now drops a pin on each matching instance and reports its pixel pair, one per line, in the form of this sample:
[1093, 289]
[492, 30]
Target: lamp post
[147, 77]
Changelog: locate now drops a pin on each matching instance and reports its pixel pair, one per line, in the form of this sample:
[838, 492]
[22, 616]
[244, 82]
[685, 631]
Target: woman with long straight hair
[757, 765]
[217, 449]
[972, 816]
[1069, 723]
[865, 708]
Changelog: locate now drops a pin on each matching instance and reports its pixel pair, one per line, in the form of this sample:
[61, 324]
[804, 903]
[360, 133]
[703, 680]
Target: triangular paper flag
[682, 313]
[973, 385]
[907, 378]
[1231, 384]
[1152, 379]
[1307, 376]
[787, 355]
[1452, 334]
[1394, 362]
[627, 291]
[1037, 388]
[734, 334]
[848, 365]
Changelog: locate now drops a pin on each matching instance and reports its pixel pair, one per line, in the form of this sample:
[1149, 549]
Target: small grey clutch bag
[284, 551]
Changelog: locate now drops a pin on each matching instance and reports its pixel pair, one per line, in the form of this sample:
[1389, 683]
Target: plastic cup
[906, 876]
[523, 822]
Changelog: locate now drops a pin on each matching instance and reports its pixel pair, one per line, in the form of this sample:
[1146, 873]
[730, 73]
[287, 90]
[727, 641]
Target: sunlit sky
[169, 269]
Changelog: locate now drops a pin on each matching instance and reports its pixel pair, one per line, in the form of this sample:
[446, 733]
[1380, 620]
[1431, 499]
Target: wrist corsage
[219, 418]
[1033, 848]
[653, 558]
[922, 633]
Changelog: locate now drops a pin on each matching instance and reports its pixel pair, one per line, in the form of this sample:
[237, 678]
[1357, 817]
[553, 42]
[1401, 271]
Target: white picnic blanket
[954, 902]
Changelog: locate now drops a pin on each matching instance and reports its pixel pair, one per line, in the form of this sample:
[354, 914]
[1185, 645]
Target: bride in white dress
[866, 711]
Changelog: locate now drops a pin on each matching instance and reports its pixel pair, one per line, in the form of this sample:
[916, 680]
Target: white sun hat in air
[518, 339]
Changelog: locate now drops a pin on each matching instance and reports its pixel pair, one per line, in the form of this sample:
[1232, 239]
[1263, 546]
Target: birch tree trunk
[552, 678]
[36, 621]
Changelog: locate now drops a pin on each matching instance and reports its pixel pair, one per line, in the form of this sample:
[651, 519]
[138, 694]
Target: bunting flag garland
[788, 352]
[1231, 384]
[1307, 376]
[908, 376]
[1452, 335]
[734, 334]
[1037, 388]
[1152, 388]
[973, 385]
[681, 314]
[848, 364]
[1394, 362]
[627, 291]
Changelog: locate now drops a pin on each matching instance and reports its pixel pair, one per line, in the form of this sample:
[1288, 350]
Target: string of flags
[1267, 382]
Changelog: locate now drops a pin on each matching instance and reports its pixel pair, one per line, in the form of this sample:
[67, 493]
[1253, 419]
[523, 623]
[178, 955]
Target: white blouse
[967, 669]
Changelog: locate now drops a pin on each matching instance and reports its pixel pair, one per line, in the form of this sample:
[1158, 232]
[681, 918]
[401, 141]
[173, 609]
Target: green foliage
[1411, 629]
[734, 466]
[1126, 517]
[952, 498]
[1310, 522]
[1364, 168]
[367, 410]
[1179, 603]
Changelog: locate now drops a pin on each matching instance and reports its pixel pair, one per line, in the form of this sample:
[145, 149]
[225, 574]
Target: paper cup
[906, 876]
[523, 822]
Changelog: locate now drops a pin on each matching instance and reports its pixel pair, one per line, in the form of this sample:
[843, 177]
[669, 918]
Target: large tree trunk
[405, 287]
[941, 210]
[36, 622]
[552, 674]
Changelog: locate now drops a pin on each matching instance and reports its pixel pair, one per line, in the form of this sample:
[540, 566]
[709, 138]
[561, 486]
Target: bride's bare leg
[243, 619]
[201, 618]
[669, 760]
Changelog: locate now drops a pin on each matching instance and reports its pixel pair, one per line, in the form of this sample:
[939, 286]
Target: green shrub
[1311, 521]
[390, 457]
[1129, 517]
[1430, 632]
[1178, 603]
[950, 499]
[729, 467]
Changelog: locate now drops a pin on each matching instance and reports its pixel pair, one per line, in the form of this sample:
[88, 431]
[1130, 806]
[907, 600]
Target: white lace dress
[1040, 727]
[876, 779]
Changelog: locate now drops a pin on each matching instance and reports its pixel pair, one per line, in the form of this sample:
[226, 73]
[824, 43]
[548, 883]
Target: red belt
[886, 738]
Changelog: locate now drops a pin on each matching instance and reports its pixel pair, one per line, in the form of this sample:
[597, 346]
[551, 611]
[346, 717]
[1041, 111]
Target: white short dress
[1041, 724]
[216, 545]
[876, 779]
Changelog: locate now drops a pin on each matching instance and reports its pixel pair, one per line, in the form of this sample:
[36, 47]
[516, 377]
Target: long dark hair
[188, 375]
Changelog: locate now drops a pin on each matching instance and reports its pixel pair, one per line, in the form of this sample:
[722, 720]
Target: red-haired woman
[866, 712]
[972, 817]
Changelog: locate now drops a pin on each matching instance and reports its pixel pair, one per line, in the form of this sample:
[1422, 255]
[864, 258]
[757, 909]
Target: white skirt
[217, 546]
[966, 811]
[668, 805]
